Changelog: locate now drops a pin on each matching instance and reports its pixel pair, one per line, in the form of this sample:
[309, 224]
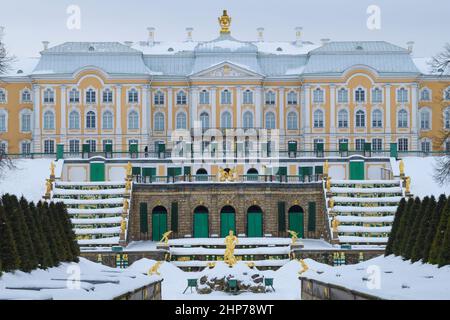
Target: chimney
[151, 36]
[128, 43]
[410, 45]
[189, 31]
[2, 32]
[45, 44]
[324, 41]
[260, 34]
[298, 36]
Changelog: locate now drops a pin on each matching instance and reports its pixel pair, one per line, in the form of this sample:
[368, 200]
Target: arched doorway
[252, 174]
[201, 175]
[227, 220]
[254, 222]
[159, 222]
[296, 220]
[201, 222]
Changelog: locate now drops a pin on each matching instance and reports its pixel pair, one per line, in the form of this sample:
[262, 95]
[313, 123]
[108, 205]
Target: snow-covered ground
[96, 282]
[387, 277]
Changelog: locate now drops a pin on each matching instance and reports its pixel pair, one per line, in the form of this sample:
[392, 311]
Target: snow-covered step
[366, 182]
[75, 192]
[365, 219]
[361, 229]
[74, 184]
[338, 200]
[109, 201]
[353, 239]
[395, 190]
[266, 241]
[86, 231]
[258, 263]
[349, 209]
[95, 212]
[239, 252]
[88, 221]
[100, 241]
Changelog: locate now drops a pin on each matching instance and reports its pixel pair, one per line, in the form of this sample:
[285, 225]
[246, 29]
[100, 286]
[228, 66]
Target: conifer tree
[74, 249]
[48, 232]
[397, 245]
[45, 259]
[439, 236]
[8, 251]
[414, 226]
[444, 254]
[61, 244]
[395, 227]
[426, 214]
[431, 232]
[36, 245]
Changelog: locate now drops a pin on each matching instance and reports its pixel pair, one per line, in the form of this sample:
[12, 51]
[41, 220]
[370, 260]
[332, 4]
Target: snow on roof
[91, 48]
[21, 66]
[285, 47]
[165, 48]
[359, 47]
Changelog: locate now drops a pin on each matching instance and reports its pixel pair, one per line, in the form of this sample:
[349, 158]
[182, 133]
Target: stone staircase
[98, 210]
[361, 212]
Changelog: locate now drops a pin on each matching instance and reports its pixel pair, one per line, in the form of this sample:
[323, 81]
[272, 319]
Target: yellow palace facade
[358, 93]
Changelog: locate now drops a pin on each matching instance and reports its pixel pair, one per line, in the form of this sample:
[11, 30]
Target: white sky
[29, 22]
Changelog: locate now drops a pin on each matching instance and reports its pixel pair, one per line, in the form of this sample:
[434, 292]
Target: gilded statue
[325, 168]
[127, 185]
[328, 183]
[48, 186]
[230, 241]
[294, 236]
[304, 266]
[52, 169]
[331, 203]
[227, 175]
[129, 169]
[165, 237]
[123, 226]
[335, 224]
[408, 184]
[154, 269]
[125, 205]
[402, 168]
[225, 22]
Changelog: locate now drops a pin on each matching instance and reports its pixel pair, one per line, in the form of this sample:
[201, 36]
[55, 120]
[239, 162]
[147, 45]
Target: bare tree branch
[440, 64]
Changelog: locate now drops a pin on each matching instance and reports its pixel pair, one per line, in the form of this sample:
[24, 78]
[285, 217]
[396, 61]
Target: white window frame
[401, 144]
[343, 123]
[181, 120]
[377, 95]
[402, 119]
[26, 113]
[342, 95]
[49, 96]
[74, 123]
[133, 96]
[90, 96]
[270, 121]
[270, 98]
[377, 123]
[74, 96]
[247, 120]
[318, 95]
[247, 97]
[107, 120]
[226, 120]
[108, 94]
[181, 98]
[319, 122]
[159, 122]
[292, 98]
[49, 146]
[204, 96]
[429, 93]
[49, 115]
[225, 97]
[360, 119]
[360, 92]
[4, 121]
[402, 95]
[133, 120]
[88, 122]
[292, 120]
[159, 98]
[425, 118]
[27, 92]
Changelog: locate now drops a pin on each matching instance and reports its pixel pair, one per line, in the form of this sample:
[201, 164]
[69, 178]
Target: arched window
[425, 95]
[2, 95]
[159, 98]
[360, 95]
[49, 96]
[343, 95]
[270, 120]
[90, 120]
[343, 118]
[377, 95]
[318, 96]
[133, 120]
[360, 119]
[133, 96]
[25, 121]
[292, 98]
[3, 121]
[292, 121]
[425, 119]
[74, 120]
[377, 119]
[270, 98]
[159, 121]
[248, 119]
[181, 98]
[225, 120]
[90, 96]
[318, 119]
[107, 96]
[26, 96]
[49, 120]
[107, 121]
[225, 97]
[181, 121]
[402, 119]
[447, 118]
[248, 97]
[204, 118]
[425, 145]
[74, 96]
[402, 95]
[204, 97]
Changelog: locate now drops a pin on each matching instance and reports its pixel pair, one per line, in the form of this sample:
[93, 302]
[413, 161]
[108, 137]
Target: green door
[227, 222]
[254, 223]
[159, 223]
[296, 222]
[201, 225]
[305, 172]
[97, 171]
[356, 170]
[173, 172]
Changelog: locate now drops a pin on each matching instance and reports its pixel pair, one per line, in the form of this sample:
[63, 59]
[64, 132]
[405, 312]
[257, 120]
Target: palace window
[133, 141]
[92, 145]
[292, 122]
[447, 94]
[425, 94]
[133, 96]
[292, 98]
[377, 119]
[90, 96]
[2, 96]
[204, 97]
[343, 118]
[270, 120]
[74, 120]
[3, 121]
[360, 119]
[107, 120]
[248, 120]
[133, 120]
[316, 142]
[49, 120]
[270, 97]
[402, 119]
[181, 121]
[105, 142]
[49, 96]
[204, 118]
[159, 121]
[25, 147]
[360, 95]
[318, 96]
[359, 144]
[318, 119]
[425, 146]
[225, 97]
[248, 97]
[159, 98]
[107, 96]
[402, 95]
[74, 96]
[49, 146]
[26, 96]
[377, 95]
[403, 144]
[25, 121]
[181, 98]
[425, 119]
[74, 146]
[225, 120]
[447, 118]
[377, 144]
[90, 120]
[343, 95]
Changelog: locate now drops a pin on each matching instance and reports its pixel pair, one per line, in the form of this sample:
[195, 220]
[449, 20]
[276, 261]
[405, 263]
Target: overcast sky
[30, 22]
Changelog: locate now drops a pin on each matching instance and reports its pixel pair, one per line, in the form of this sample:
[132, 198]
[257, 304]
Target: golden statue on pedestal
[325, 168]
[227, 175]
[129, 169]
[225, 23]
[335, 224]
[125, 205]
[408, 184]
[154, 269]
[165, 237]
[127, 185]
[294, 236]
[48, 186]
[230, 241]
[328, 183]
[401, 166]
[331, 203]
[123, 226]
[52, 169]
[304, 267]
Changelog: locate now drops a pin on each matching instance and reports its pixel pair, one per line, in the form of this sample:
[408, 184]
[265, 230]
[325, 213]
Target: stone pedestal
[162, 246]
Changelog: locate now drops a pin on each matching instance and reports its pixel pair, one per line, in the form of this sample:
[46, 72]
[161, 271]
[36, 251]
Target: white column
[259, 107]
[193, 102]
[213, 108]
[387, 88]
[415, 111]
[169, 110]
[332, 109]
[63, 115]
[307, 109]
[37, 118]
[145, 113]
[281, 109]
[118, 117]
[238, 107]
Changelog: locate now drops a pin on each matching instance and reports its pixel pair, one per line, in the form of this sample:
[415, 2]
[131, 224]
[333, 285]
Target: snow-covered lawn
[387, 277]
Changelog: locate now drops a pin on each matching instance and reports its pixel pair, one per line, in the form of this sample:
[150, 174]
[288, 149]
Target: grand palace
[203, 137]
